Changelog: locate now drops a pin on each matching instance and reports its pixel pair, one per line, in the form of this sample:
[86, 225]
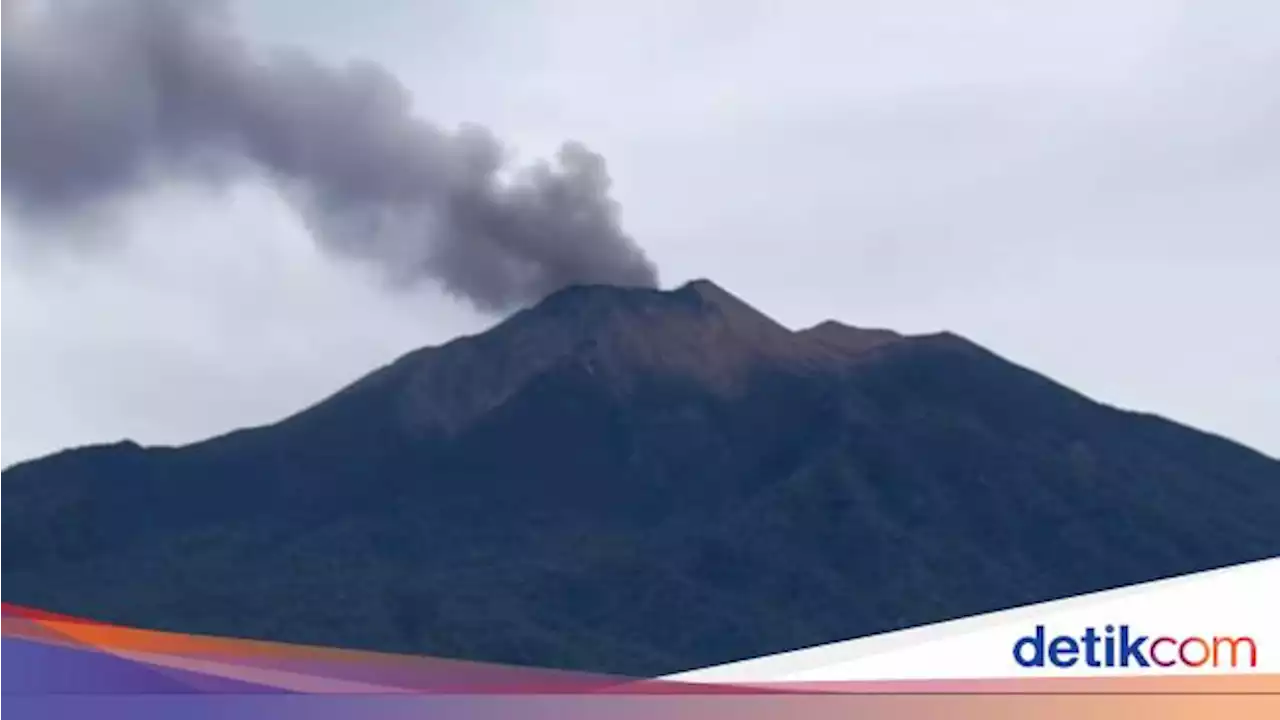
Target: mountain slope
[641, 482]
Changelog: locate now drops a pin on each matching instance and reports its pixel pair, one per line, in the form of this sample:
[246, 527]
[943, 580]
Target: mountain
[642, 482]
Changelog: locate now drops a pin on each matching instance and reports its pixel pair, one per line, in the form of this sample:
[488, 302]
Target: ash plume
[103, 99]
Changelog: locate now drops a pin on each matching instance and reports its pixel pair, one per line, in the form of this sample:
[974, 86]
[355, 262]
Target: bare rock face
[699, 332]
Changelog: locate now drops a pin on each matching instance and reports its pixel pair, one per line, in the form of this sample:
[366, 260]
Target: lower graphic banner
[1159, 647]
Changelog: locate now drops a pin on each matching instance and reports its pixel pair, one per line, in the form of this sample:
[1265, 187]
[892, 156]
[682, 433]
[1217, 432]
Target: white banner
[1222, 621]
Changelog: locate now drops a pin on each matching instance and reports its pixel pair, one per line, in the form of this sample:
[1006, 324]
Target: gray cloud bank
[102, 99]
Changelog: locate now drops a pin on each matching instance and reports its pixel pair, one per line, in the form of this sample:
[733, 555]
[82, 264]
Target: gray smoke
[101, 99]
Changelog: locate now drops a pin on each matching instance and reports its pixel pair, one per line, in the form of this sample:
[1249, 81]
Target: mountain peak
[601, 309]
[699, 295]
[841, 338]
[707, 290]
[711, 297]
[698, 331]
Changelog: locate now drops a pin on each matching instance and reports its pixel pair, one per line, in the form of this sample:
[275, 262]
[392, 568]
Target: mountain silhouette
[642, 482]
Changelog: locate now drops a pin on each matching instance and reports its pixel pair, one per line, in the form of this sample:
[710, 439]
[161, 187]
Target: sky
[1089, 189]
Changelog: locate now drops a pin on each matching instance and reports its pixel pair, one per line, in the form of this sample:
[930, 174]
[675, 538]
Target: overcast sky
[1090, 189]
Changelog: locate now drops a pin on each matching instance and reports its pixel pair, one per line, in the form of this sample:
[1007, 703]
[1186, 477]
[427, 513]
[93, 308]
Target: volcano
[641, 482]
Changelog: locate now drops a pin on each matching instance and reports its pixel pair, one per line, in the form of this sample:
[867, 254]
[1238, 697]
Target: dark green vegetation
[641, 482]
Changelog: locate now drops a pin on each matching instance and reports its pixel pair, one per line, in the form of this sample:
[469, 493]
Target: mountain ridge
[842, 340]
[642, 482]
[612, 327]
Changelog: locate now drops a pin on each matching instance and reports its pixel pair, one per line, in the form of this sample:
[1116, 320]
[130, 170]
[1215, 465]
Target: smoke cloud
[103, 99]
